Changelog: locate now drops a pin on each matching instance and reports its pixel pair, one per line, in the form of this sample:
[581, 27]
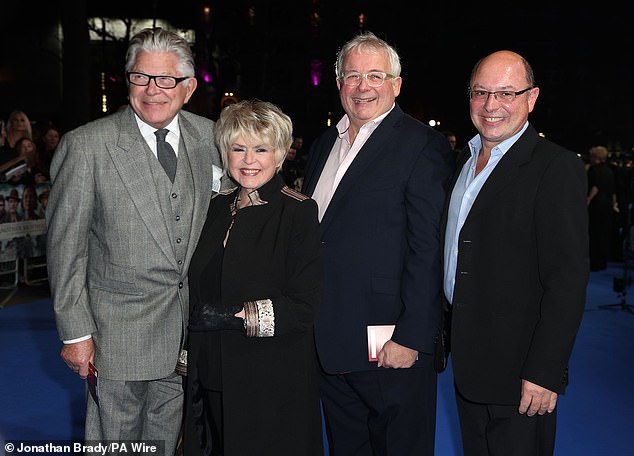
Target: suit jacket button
[180, 284]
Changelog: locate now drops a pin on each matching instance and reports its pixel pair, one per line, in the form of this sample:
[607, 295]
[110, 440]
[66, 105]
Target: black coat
[269, 384]
[521, 276]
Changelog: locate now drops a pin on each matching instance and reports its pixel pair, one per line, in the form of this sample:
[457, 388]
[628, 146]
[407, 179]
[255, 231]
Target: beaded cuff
[259, 318]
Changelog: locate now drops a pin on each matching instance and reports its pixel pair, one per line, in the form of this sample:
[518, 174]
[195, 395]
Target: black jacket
[269, 384]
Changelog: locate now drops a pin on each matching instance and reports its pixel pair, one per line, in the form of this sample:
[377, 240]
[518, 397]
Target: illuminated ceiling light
[115, 29]
[361, 20]
[251, 15]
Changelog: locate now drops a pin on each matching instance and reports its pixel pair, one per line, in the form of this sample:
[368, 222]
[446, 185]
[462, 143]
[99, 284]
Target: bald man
[515, 266]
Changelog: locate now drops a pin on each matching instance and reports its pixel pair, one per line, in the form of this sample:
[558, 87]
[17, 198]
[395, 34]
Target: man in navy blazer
[380, 179]
[516, 267]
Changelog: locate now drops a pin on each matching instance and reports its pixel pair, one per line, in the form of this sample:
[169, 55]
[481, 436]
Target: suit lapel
[506, 172]
[202, 174]
[376, 144]
[135, 173]
[322, 151]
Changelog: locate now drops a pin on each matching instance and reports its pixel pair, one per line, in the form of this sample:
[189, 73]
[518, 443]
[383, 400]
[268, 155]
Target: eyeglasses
[373, 78]
[162, 82]
[507, 96]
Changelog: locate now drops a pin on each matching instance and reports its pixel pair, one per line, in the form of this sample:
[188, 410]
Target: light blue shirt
[464, 193]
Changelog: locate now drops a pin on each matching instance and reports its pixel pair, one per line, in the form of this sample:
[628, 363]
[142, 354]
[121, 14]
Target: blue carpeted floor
[40, 399]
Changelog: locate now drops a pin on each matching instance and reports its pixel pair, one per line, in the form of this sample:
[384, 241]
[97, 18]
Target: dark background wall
[581, 56]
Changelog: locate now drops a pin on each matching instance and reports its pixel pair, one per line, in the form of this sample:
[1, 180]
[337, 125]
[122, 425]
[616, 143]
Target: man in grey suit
[121, 233]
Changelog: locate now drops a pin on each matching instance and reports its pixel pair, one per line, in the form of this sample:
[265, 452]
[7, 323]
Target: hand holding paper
[377, 336]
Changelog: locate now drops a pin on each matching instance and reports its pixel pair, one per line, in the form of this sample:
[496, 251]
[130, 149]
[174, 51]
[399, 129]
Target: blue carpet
[40, 399]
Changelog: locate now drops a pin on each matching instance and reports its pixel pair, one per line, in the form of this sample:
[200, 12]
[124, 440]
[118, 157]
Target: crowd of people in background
[32, 146]
[293, 167]
[610, 197]
[25, 155]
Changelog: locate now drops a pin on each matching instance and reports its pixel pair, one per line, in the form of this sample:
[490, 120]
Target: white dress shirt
[173, 134]
[341, 157]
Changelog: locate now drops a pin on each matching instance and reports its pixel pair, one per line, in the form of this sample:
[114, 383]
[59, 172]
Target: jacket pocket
[384, 285]
[113, 278]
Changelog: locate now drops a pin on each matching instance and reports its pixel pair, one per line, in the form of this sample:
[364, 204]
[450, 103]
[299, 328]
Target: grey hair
[161, 40]
[254, 119]
[368, 42]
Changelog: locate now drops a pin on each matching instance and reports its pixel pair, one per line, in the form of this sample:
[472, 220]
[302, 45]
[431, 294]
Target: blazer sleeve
[562, 240]
[296, 309]
[419, 322]
[68, 217]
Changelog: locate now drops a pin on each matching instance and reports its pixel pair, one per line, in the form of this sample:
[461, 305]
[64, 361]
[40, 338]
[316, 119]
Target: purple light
[316, 67]
[204, 74]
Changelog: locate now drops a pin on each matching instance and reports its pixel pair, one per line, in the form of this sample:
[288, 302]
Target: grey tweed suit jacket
[112, 270]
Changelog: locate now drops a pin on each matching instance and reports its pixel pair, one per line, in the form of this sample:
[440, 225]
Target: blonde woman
[255, 281]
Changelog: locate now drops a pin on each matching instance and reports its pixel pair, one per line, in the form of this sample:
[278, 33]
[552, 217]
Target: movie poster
[22, 223]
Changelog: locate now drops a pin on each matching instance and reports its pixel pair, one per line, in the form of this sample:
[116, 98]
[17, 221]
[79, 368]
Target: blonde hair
[13, 115]
[599, 152]
[256, 119]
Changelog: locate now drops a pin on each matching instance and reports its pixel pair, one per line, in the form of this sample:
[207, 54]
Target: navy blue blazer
[380, 241]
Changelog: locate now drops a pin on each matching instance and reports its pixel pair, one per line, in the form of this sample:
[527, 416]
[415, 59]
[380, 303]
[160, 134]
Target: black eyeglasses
[506, 96]
[162, 82]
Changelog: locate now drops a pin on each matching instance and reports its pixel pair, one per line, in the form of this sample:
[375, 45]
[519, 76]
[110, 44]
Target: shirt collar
[263, 194]
[475, 144]
[147, 131]
[344, 124]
